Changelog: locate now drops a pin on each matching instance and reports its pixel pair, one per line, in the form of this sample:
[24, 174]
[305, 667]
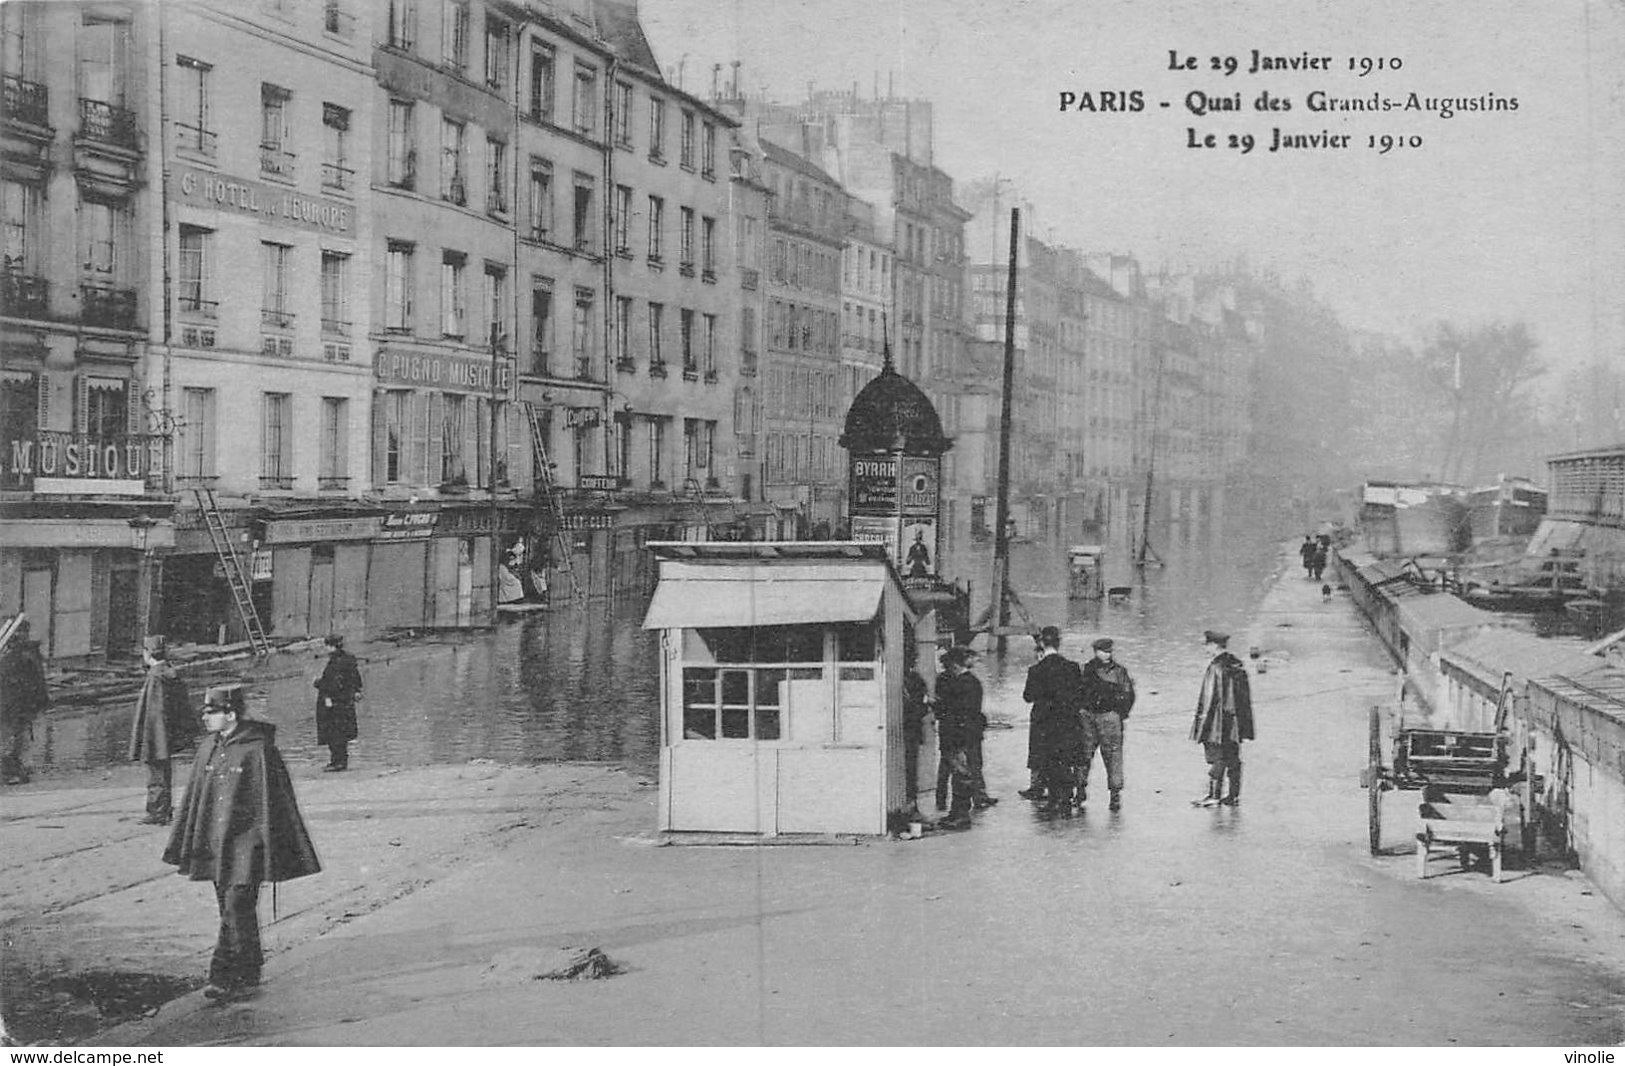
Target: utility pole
[1001, 535]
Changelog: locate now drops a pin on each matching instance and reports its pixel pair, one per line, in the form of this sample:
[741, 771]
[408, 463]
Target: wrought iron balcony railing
[196, 305]
[276, 160]
[107, 123]
[335, 325]
[275, 318]
[108, 307]
[337, 176]
[195, 139]
[24, 295]
[27, 101]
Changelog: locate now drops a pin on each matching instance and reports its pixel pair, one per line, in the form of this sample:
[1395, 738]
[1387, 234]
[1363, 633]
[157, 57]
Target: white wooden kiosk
[781, 681]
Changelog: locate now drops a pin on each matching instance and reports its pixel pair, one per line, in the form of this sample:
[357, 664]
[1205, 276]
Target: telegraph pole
[1001, 535]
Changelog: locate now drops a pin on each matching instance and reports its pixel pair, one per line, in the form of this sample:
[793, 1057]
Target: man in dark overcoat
[24, 696]
[1108, 696]
[916, 708]
[1224, 719]
[164, 724]
[336, 692]
[1055, 689]
[239, 826]
[960, 723]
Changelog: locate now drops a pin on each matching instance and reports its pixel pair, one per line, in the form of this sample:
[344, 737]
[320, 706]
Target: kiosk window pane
[736, 723]
[699, 703]
[855, 642]
[735, 688]
[769, 684]
[767, 723]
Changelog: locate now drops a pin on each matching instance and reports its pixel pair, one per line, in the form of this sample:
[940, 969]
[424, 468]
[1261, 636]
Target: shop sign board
[275, 205]
[305, 530]
[587, 520]
[443, 371]
[408, 525]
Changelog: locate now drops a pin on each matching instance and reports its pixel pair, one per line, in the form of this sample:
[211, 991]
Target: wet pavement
[1162, 924]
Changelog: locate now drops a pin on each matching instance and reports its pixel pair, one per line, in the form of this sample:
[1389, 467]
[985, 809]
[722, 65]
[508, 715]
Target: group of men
[1077, 712]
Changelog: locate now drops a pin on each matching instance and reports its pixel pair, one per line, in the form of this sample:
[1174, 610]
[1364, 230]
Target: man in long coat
[239, 826]
[163, 725]
[24, 696]
[960, 723]
[1055, 689]
[1224, 719]
[336, 692]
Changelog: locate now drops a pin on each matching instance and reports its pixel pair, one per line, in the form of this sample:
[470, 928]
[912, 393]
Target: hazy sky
[1504, 215]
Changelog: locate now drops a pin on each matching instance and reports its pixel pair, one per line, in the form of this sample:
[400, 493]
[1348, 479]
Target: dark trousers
[160, 790]
[973, 766]
[911, 769]
[237, 955]
[17, 736]
[339, 753]
[1102, 732]
[957, 762]
[1223, 758]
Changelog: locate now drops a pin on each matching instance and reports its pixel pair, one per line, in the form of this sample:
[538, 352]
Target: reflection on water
[568, 685]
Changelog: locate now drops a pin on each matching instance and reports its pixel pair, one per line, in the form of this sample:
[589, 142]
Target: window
[745, 703]
[581, 333]
[192, 107]
[623, 114]
[656, 356]
[453, 151]
[335, 19]
[708, 152]
[452, 409]
[453, 295]
[194, 446]
[708, 350]
[541, 325]
[191, 273]
[336, 172]
[541, 82]
[496, 158]
[395, 415]
[708, 247]
[103, 61]
[657, 210]
[584, 114]
[275, 158]
[685, 156]
[496, 306]
[657, 128]
[276, 441]
[403, 153]
[333, 459]
[583, 212]
[335, 292]
[103, 407]
[698, 436]
[623, 335]
[398, 287]
[454, 36]
[496, 53]
[403, 24]
[622, 219]
[541, 198]
[657, 451]
[685, 320]
[685, 236]
[274, 306]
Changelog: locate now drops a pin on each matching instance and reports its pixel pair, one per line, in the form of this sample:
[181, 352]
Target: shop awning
[703, 603]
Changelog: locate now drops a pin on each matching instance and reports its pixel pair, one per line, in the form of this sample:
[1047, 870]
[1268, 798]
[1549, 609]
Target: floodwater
[581, 685]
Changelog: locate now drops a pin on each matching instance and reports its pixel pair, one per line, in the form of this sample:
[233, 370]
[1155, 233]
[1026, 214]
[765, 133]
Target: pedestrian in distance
[1108, 696]
[1224, 720]
[164, 724]
[24, 696]
[1306, 552]
[1055, 738]
[960, 723]
[238, 827]
[1323, 549]
[336, 692]
[916, 708]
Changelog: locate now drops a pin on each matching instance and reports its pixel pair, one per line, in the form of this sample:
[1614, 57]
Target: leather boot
[1212, 797]
[1235, 788]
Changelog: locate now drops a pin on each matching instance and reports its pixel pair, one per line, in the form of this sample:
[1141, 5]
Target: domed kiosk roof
[891, 411]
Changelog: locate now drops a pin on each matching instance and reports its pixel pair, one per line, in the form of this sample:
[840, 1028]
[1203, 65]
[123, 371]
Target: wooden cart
[1472, 792]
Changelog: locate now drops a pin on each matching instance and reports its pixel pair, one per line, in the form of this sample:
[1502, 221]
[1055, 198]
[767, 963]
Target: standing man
[1055, 689]
[916, 706]
[163, 725]
[1306, 552]
[960, 723]
[1224, 718]
[336, 692]
[24, 696]
[239, 827]
[1108, 696]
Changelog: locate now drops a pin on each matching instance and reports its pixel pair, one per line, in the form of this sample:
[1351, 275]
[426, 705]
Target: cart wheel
[1373, 798]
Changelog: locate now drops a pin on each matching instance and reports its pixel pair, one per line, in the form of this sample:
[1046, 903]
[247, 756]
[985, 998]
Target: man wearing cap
[239, 827]
[1108, 696]
[1055, 689]
[960, 723]
[163, 725]
[1224, 718]
[336, 692]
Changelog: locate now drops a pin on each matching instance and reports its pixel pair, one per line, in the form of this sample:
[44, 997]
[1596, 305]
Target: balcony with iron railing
[747, 362]
[24, 295]
[108, 307]
[336, 326]
[276, 161]
[197, 307]
[108, 123]
[194, 140]
[276, 318]
[332, 482]
[27, 102]
[749, 278]
[276, 482]
[336, 177]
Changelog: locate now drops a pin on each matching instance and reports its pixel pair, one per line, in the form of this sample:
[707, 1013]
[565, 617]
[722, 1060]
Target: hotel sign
[261, 200]
[448, 373]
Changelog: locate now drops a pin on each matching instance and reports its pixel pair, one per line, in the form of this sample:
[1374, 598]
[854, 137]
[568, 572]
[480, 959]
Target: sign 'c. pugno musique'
[274, 204]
